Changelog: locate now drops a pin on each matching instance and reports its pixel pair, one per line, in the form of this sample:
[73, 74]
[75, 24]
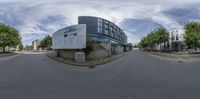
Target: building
[107, 38]
[101, 31]
[175, 42]
[35, 45]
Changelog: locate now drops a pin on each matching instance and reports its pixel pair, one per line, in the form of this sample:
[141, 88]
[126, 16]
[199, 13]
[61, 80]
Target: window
[99, 29]
[106, 22]
[111, 28]
[99, 24]
[176, 36]
[106, 31]
[100, 20]
[112, 34]
[106, 26]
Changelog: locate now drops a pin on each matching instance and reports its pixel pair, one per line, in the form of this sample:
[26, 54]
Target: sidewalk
[87, 63]
[7, 54]
[175, 57]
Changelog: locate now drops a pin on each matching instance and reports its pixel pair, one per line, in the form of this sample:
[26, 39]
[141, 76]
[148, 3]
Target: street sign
[73, 37]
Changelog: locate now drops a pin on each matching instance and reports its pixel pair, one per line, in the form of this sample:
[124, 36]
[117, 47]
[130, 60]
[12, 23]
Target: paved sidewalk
[174, 57]
[7, 54]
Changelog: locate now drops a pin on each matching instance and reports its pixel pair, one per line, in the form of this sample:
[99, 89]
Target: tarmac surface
[134, 76]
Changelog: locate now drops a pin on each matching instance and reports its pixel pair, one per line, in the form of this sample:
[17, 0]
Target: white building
[35, 44]
[176, 40]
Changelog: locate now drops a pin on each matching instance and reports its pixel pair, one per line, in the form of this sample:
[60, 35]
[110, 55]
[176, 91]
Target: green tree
[9, 36]
[46, 42]
[158, 36]
[192, 34]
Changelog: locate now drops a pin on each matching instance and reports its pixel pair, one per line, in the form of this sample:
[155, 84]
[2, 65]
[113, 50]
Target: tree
[158, 36]
[21, 47]
[46, 42]
[9, 36]
[192, 34]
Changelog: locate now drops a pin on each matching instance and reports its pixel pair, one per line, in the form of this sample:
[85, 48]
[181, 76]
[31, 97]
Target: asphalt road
[134, 76]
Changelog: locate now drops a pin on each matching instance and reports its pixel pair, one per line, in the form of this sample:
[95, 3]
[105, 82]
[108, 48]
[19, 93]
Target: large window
[106, 26]
[106, 31]
[99, 29]
[99, 25]
[100, 20]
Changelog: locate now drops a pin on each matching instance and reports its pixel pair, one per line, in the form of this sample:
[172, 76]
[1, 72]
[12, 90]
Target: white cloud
[45, 17]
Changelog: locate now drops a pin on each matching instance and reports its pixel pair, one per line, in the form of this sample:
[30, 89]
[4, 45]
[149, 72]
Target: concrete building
[176, 41]
[107, 38]
[35, 45]
[102, 31]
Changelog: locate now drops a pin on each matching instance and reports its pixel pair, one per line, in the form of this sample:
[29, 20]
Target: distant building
[35, 45]
[175, 42]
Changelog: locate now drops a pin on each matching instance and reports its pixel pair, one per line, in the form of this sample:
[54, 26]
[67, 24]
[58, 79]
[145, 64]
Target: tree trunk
[196, 44]
[4, 49]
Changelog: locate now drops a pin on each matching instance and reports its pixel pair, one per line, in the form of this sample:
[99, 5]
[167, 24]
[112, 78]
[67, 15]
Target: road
[133, 76]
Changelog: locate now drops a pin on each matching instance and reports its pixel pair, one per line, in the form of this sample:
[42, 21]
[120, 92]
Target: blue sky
[35, 19]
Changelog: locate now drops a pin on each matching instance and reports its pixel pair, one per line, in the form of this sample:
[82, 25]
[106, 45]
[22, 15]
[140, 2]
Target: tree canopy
[46, 42]
[9, 36]
[158, 36]
[192, 34]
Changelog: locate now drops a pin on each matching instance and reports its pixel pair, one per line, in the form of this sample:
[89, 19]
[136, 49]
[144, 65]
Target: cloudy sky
[37, 18]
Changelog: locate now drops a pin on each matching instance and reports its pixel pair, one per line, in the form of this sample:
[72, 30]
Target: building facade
[102, 31]
[35, 45]
[175, 42]
[107, 38]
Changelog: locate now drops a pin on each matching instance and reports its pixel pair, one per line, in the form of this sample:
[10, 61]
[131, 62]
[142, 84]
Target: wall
[66, 53]
[100, 53]
[119, 49]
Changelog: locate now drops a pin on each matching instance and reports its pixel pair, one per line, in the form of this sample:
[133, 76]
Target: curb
[7, 55]
[85, 65]
[173, 55]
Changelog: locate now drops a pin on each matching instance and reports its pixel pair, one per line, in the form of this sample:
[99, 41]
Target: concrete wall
[53, 53]
[119, 49]
[100, 53]
[66, 53]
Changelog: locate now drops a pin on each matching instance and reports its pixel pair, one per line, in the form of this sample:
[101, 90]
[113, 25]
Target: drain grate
[180, 61]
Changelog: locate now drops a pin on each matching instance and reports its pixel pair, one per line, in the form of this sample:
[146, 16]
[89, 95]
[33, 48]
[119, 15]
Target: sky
[36, 18]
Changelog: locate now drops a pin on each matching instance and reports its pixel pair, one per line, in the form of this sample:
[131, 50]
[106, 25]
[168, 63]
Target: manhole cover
[180, 61]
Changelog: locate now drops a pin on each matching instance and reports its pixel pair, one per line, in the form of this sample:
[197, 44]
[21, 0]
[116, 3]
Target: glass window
[100, 20]
[106, 22]
[112, 34]
[111, 28]
[106, 31]
[99, 24]
[106, 26]
[99, 29]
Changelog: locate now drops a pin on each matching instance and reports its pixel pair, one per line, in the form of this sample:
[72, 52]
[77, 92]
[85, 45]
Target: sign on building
[73, 37]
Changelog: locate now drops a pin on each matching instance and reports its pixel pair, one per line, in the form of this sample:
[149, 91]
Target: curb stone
[66, 61]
